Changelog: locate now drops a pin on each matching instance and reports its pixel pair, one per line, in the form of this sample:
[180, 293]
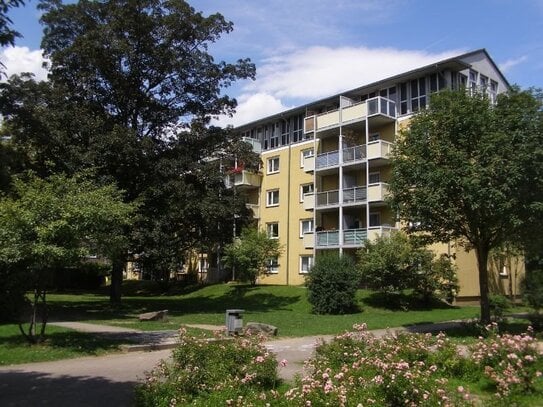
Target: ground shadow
[239, 296]
[403, 302]
[20, 388]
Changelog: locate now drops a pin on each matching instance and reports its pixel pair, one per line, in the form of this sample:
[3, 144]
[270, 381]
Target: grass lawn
[60, 344]
[285, 307]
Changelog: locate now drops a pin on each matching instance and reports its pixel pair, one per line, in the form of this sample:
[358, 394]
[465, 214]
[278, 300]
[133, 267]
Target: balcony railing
[380, 105]
[378, 191]
[355, 195]
[327, 238]
[327, 160]
[379, 231]
[353, 154]
[355, 237]
[379, 149]
[255, 208]
[244, 178]
[255, 144]
[327, 198]
[358, 111]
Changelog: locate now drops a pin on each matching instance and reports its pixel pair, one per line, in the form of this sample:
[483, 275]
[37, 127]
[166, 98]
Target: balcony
[379, 149]
[328, 119]
[353, 155]
[309, 240]
[255, 144]
[377, 192]
[255, 208]
[327, 239]
[381, 106]
[376, 107]
[354, 112]
[327, 160]
[355, 237]
[309, 163]
[328, 198]
[379, 231]
[309, 201]
[356, 195]
[243, 179]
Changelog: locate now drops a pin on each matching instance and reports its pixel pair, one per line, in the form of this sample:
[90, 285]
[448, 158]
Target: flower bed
[355, 369]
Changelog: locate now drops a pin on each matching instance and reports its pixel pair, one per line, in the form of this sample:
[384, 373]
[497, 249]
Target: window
[374, 137]
[483, 81]
[472, 81]
[493, 91]
[437, 82]
[272, 197]
[306, 226]
[418, 94]
[273, 266]
[375, 219]
[403, 98]
[273, 230]
[305, 189]
[306, 262]
[305, 154]
[374, 177]
[273, 165]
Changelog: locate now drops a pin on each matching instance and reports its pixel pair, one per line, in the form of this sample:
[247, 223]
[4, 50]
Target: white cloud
[302, 75]
[317, 72]
[510, 63]
[251, 107]
[22, 59]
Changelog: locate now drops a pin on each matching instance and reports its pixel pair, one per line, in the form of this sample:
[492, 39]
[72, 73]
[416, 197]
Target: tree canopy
[51, 224]
[469, 170]
[131, 91]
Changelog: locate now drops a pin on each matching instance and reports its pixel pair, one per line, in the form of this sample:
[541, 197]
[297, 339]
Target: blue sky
[305, 49]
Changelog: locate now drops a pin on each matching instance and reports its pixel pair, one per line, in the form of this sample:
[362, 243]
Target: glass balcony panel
[355, 153]
[327, 160]
[328, 238]
[355, 237]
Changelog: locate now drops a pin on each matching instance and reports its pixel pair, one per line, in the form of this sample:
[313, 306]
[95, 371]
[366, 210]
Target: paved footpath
[109, 380]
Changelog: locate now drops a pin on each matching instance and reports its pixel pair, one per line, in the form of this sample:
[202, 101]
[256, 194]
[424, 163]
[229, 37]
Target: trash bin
[234, 321]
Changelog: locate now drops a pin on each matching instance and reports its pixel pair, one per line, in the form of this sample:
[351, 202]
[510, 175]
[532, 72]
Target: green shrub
[499, 305]
[332, 284]
[532, 289]
[209, 373]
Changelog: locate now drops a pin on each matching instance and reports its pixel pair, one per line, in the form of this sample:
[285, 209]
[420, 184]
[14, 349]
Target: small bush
[332, 285]
[499, 305]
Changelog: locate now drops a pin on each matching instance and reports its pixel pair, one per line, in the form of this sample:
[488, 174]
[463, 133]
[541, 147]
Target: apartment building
[326, 165]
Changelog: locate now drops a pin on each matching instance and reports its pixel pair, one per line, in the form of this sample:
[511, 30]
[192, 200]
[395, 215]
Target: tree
[8, 34]
[251, 254]
[139, 79]
[395, 263]
[51, 224]
[466, 169]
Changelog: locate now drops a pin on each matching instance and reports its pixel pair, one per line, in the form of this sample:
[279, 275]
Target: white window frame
[311, 226]
[270, 230]
[269, 197]
[273, 266]
[302, 190]
[309, 263]
[378, 173]
[308, 152]
[273, 165]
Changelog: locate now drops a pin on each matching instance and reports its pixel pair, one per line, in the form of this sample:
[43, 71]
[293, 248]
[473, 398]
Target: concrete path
[109, 380]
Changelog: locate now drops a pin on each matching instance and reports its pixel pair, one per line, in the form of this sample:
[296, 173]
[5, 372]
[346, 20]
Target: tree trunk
[118, 262]
[482, 262]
